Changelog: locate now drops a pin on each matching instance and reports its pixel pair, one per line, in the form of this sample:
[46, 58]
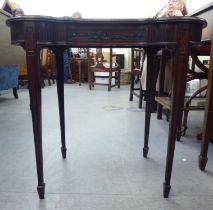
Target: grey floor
[105, 168]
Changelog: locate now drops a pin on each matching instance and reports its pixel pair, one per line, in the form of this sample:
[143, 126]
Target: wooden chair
[197, 50]
[78, 66]
[48, 65]
[138, 56]
[163, 100]
[107, 69]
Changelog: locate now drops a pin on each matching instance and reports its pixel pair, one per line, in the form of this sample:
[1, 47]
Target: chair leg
[185, 117]
[179, 131]
[131, 87]
[109, 86]
[110, 81]
[159, 111]
[15, 93]
[90, 80]
[42, 83]
[52, 76]
[140, 97]
[119, 78]
[49, 82]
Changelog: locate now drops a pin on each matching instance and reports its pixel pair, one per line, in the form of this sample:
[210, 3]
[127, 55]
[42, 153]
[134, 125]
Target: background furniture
[109, 71]
[9, 78]
[163, 99]
[82, 68]
[48, 65]
[196, 50]
[138, 56]
[78, 65]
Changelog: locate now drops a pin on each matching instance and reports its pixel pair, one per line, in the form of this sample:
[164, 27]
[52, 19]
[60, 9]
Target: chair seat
[198, 103]
[137, 71]
[105, 68]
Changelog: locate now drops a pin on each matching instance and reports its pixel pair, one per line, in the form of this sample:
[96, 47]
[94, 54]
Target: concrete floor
[105, 168]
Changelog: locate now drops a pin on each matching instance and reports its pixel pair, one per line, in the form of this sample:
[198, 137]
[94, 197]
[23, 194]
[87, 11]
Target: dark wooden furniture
[163, 99]
[48, 66]
[195, 51]
[207, 134]
[36, 32]
[207, 37]
[202, 49]
[107, 69]
[79, 62]
[138, 56]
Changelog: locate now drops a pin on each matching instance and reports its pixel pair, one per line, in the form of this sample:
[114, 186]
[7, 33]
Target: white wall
[9, 54]
[193, 5]
[125, 51]
[92, 8]
[100, 9]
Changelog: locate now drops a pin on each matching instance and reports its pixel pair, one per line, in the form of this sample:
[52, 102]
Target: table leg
[150, 87]
[89, 73]
[179, 66]
[208, 119]
[60, 90]
[34, 74]
[79, 72]
[204, 145]
[70, 69]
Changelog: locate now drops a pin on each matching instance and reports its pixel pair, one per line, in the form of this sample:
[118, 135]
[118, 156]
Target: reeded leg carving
[35, 105]
[34, 74]
[179, 66]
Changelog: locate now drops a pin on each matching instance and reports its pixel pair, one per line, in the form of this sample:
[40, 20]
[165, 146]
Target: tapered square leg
[145, 151]
[202, 162]
[166, 190]
[41, 190]
[64, 152]
[60, 91]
